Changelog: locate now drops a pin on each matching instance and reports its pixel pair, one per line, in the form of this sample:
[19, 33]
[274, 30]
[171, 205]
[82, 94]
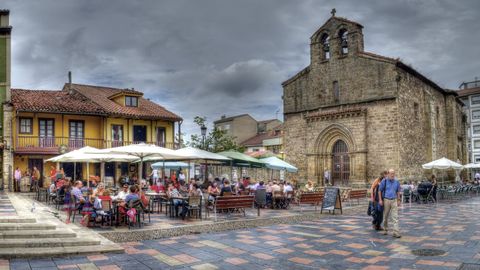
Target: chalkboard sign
[332, 200]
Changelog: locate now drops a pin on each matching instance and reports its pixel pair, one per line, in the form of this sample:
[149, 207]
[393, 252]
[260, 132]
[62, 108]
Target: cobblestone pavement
[334, 242]
[6, 207]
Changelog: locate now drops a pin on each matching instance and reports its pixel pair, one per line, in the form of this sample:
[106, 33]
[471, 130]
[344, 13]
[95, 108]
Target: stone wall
[436, 130]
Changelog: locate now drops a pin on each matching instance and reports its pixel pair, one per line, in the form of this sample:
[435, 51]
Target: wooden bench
[233, 203]
[310, 198]
[358, 194]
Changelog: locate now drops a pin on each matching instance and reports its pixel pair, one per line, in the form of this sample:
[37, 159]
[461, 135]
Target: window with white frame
[476, 115]
[476, 144]
[475, 100]
[26, 125]
[476, 129]
[477, 159]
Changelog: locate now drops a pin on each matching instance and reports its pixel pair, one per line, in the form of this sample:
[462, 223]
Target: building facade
[470, 96]
[355, 114]
[240, 127]
[48, 123]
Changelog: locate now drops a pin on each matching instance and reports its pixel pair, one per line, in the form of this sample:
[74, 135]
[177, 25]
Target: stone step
[47, 242]
[25, 226]
[10, 253]
[37, 234]
[17, 220]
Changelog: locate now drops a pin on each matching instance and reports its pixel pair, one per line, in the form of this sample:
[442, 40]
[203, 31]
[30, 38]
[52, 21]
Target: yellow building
[48, 123]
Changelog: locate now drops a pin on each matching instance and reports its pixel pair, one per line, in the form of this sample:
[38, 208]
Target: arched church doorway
[340, 164]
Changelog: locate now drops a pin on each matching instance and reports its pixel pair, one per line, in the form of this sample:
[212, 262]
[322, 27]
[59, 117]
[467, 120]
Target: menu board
[332, 200]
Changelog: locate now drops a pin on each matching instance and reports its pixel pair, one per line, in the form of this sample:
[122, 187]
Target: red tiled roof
[53, 101]
[100, 95]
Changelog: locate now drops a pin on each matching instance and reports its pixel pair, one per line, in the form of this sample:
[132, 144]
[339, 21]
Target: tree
[215, 141]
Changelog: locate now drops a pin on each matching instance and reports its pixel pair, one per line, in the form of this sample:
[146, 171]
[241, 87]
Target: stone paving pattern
[334, 242]
[6, 207]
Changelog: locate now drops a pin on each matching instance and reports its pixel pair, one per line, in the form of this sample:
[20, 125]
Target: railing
[109, 144]
[53, 145]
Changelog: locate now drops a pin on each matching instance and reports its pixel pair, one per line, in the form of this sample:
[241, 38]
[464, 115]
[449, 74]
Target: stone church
[354, 113]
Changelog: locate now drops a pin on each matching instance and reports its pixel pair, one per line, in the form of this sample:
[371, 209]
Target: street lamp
[204, 133]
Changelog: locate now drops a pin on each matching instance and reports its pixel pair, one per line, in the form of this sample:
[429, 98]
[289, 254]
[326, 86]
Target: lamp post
[204, 134]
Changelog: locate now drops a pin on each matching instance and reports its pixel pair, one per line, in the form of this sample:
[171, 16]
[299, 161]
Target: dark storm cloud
[215, 57]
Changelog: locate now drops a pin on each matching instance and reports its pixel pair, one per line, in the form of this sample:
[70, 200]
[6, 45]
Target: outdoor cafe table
[157, 197]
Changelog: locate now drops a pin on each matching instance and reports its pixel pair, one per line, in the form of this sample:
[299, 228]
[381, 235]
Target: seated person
[133, 195]
[100, 190]
[309, 186]
[60, 182]
[52, 189]
[122, 194]
[173, 193]
[158, 187]
[405, 186]
[269, 187]
[226, 187]
[196, 191]
[275, 187]
[212, 191]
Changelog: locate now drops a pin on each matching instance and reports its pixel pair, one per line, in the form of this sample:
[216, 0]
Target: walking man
[390, 199]
[18, 179]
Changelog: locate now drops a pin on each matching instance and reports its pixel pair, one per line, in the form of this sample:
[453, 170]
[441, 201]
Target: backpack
[132, 213]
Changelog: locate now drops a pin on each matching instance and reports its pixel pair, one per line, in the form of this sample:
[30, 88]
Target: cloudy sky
[215, 57]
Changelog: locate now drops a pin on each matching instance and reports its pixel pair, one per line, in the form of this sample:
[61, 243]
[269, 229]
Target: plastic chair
[195, 205]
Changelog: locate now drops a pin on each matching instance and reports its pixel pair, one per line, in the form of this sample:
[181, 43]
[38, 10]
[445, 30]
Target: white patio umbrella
[472, 166]
[143, 151]
[67, 156]
[443, 164]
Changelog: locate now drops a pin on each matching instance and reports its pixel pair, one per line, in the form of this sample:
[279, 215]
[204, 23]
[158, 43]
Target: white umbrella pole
[140, 170]
[88, 172]
[74, 171]
[102, 170]
[163, 173]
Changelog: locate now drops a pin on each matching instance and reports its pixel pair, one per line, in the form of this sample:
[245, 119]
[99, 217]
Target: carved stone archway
[324, 157]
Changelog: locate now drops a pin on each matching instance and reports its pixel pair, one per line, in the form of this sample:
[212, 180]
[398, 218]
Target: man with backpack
[390, 199]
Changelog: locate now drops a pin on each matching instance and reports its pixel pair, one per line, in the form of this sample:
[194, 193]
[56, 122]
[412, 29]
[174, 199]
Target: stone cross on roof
[333, 12]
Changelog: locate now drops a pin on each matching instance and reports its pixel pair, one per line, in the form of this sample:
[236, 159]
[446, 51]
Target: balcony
[53, 145]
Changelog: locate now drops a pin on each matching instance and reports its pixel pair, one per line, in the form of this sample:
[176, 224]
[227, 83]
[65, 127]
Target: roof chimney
[70, 90]
[4, 18]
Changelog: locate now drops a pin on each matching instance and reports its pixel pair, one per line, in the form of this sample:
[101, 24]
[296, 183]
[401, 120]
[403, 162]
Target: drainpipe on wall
[180, 144]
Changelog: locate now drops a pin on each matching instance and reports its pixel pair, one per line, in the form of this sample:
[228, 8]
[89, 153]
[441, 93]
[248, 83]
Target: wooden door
[341, 164]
